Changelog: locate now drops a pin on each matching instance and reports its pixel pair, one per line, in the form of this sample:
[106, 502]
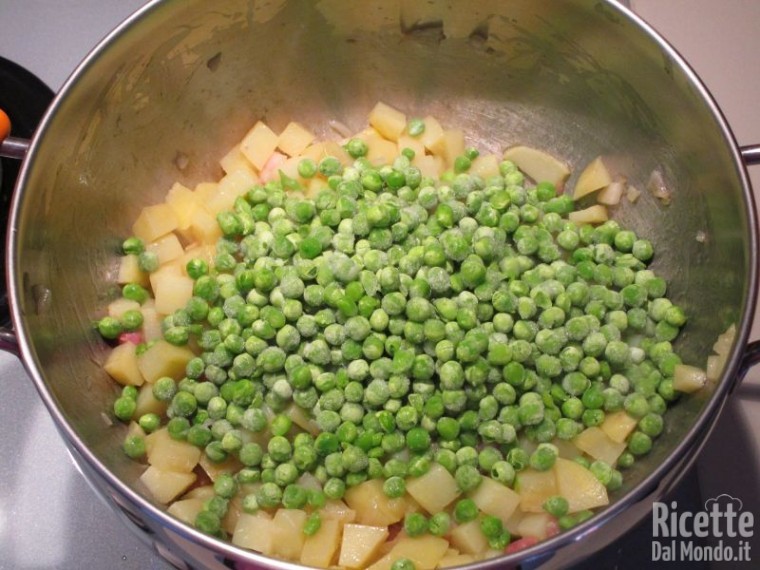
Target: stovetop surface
[51, 519]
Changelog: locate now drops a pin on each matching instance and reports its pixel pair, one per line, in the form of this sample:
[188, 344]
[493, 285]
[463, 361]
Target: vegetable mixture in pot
[390, 351]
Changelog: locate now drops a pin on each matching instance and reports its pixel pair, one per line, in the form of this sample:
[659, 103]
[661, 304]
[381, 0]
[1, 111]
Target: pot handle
[750, 154]
[11, 147]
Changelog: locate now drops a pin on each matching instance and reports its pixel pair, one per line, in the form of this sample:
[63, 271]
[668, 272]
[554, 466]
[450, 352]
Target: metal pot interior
[168, 94]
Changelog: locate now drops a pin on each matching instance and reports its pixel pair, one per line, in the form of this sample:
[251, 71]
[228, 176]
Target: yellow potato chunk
[594, 177]
[154, 222]
[360, 543]
[618, 425]
[300, 417]
[122, 365]
[186, 509]
[540, 166]
[184, 202]
[381, 151]
[214, 470]
[535, 525]
[534, 487]
[434, 490]
[320, 549]
[167, 248]
[425, 551]
[259, 144]
[433, 131]
[495, 499]
[130, 272]
[118, 307]
[171, 289]
[454, 558]
[373, 507]
[235, 160]
[147, 402]
[579, 486]
[598, 445]
[164, 359]
[165, 486]
[449, 145]
[414, 143]
[256, 532]
[485, 166]
[338, 510]
[389, 122]
[468, 538]
[151, 327]
[234, 184]
[595, 214]
[289, 537]
[169, 454]
[429, 165]
[688, 379]
[294, 139]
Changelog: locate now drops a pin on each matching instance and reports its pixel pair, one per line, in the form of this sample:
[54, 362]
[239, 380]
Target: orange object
[5, 125]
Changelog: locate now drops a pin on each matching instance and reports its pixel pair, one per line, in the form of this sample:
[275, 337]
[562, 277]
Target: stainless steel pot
[166, 94]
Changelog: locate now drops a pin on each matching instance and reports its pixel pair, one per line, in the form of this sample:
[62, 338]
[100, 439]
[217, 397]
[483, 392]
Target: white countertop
[50, 519]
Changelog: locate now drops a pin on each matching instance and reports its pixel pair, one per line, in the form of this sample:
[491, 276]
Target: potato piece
[151, 327]
[184, 202]
[299, 417]
[169, 454]
[259, 144]
[360, 543]
[320, 549]
[434, 490]
[165, 486]
[256, 532]
[154, 222]
[288, 535]
[294, 139]
[147, 402]
[598, 445]
[214, 470]
[611, 194]
[171, 289]
[618, 425]
[204, 492]
[235, 160]
[595, 214]
[204, 227]
[130, 272]
[122, 365]
[425, 551]
[534, 487]
[429, 165]
[485, 166]
[566, 449]
[389, 122]
[164, 359]
[535, 525]
[234, 184]
[381, 151]
[167, 248]
[714, 367]
[454, 558]
[433, 131]
[118, 307]
[449, 146]
[688, 379]
[594, 177]
[540, 166]
[725, 341]
[414, 143]
[186, 509]
[579, 486]
[339, 511]
[468, 538]
[373, 507]
[495, 499]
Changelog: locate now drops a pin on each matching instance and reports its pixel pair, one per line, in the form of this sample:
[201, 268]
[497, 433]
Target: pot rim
[731, 375]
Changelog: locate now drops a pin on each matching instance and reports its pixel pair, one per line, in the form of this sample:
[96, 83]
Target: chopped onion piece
[612, 194]
[632, 194]
[657, 187]
[722, 346]
[688, 378]
[715, 365]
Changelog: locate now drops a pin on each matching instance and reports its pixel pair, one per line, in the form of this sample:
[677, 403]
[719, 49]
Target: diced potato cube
[594, 177]
[688, 379]
[456, 559]
[289, 537]
[579, 486]
[611, 195]
[468, 538]
[118, 307]
[321, 548]
[595, 214]
[256, 532]
[171, 289]
[725, 341]
[151, 327]
[514, 521]
[203, 492]
[538, 165]
[485, 166]
[495, 499]
[425, 551]
[566, 449]
[449, 146]
[147, 402]
[381, 151]
[429, 165]
[259, 144]
[373, 507]
[165, 486]
[164, 359]
[388, 121]
[230, 465]
[338, 510]
[186, 509]
[235, 160]
[122, 365]
[433, 131]
[598, 445]
[618, 425]
[154, 222]
[714, 366]
[294, 139]
[299, 417]
[167, 248]
[360, 543]
[534, 487]
[414, 143]
[184, 202]
[234, 184]
[535, 525]
[169, 454]
[434, 490]
[130, 272]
